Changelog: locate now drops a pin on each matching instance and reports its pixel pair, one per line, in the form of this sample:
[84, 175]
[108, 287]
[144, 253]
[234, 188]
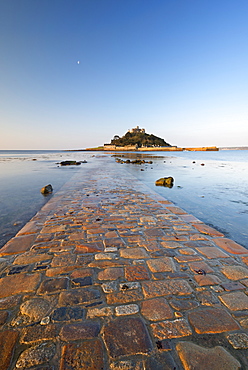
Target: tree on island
[140, 139]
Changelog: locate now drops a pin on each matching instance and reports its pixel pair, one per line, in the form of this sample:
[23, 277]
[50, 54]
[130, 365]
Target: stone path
[110, 275]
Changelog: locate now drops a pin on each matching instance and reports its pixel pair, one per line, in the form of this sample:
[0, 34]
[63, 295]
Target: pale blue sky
[178, 68]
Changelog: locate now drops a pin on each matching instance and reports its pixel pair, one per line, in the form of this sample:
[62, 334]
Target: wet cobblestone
[110, 275]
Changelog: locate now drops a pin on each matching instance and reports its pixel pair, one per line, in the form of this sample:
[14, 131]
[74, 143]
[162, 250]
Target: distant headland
[136, 139]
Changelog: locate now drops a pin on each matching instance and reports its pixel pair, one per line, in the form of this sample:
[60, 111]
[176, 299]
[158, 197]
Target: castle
[137, 130]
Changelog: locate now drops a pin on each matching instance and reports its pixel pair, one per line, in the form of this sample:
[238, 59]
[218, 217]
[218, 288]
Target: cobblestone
[84, 330]
[163, 288]
[212, 320]
[37, 355]
[126, 336]
[109, 275]
[38, 333]
[129, 309]
[197, 357]
[16, 284]
[235, 272]
[85, 355]
[238, 340]
[156, 309]
[171, 329]
[8, 340]
[235, 301]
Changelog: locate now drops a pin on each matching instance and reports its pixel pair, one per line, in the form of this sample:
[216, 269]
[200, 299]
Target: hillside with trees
[140, 139]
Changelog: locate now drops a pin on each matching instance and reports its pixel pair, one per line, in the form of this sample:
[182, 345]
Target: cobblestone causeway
[110, 275]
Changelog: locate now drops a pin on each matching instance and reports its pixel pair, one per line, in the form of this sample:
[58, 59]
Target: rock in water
[48, 189]
[165, 181]
[70, 163]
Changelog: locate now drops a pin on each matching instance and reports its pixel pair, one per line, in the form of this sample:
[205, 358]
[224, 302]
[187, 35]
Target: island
[136, 139]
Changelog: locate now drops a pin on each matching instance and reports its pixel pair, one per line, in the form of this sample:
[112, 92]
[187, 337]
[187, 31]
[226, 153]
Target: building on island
[137, 130]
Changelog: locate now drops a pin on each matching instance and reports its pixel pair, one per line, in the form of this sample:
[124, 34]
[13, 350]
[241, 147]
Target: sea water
[22, 175]
[212, 186]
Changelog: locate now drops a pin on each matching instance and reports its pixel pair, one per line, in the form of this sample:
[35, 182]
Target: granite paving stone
[31, 257]
[156, 309]
[126, 336]
[212, 252]
[187, 258]
[200, 267]
[81, 281]
[84, 330]
[9, 302]
[138, 272]
[238, 340]
[134, 253]
[16, 284]
[208, 279]
[17, 245]
[38, 333]
[53, 285]
[245, 259]
[3, 317]
[183, 304]
[200, 358]
[153, 289]
[100, 312]
[67, 313]
[51, 272]
[244, 323]
[235, 301]
[207, 229]
[35, 308]
[84, 355]
[129, 309]
[187, 250]
[79, 296]
[127, 365]
[235, 272]
[36, 355]
[161, 264]
[124, 297]
[234, 285]
[207, 298]
[212, 320]
[171, 329]
[230, 246]
[8, 339]
[109, 275]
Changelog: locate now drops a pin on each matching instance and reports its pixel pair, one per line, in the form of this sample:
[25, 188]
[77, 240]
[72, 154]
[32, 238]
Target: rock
[35, 308]
[197, 357]
[135, 161]
[36, 355]
[48, 189]
[70, 163]
[165, 181]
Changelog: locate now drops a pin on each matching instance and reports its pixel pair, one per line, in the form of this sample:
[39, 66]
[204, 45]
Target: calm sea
[212, 186]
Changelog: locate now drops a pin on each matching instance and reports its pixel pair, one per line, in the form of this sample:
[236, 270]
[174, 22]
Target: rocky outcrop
[48, 189]
[70, 163]
[135, 161]
[165, 181]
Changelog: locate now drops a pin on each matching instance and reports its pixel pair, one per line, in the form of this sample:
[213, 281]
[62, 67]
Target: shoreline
[109, 273]
[148, 149]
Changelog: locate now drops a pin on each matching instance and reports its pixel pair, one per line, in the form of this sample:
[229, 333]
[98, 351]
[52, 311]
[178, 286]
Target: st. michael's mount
[136, 139]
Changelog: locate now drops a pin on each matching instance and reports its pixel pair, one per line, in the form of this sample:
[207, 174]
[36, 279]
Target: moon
[78, 62]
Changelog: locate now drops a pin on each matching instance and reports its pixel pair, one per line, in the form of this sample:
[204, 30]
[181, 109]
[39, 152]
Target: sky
[74, 73]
